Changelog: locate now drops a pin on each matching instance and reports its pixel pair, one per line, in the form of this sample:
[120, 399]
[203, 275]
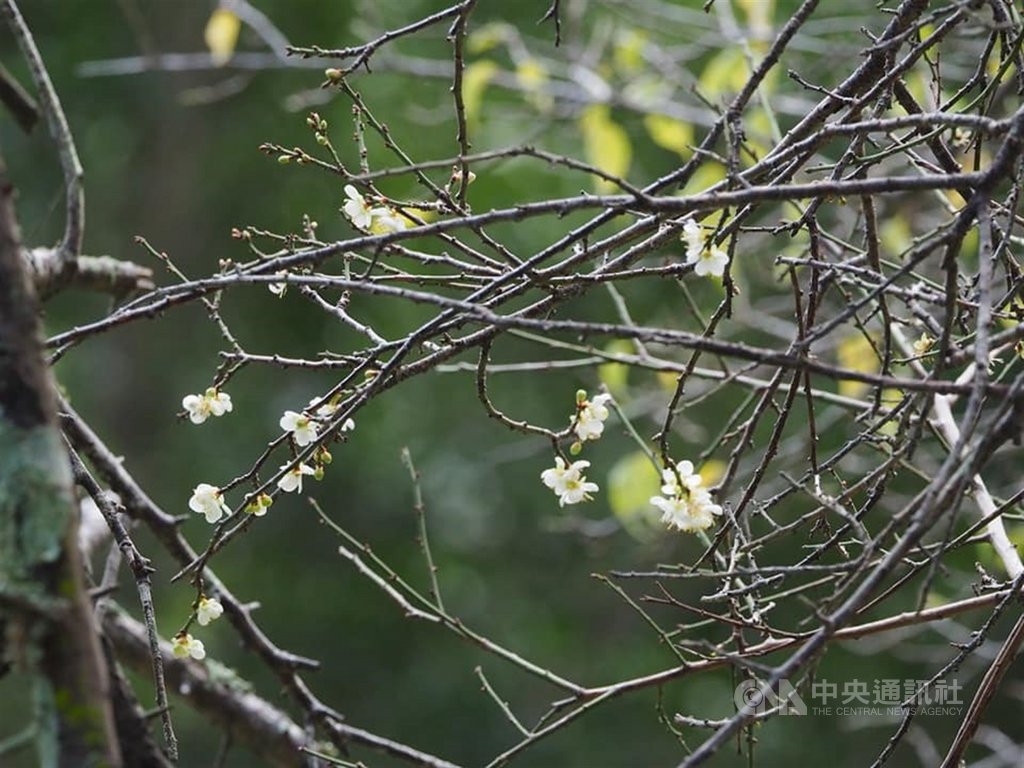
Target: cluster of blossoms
[707, 258]
[686, 504]
[185, 645]
[305, 430]
[364, 216]
[210, 403]
[208, 500]
[567, 481]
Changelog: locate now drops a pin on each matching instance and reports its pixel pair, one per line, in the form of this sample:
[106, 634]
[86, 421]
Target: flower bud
[576, 448]
[334, 75]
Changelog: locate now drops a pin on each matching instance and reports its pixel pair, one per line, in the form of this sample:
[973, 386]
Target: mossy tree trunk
[45, 609]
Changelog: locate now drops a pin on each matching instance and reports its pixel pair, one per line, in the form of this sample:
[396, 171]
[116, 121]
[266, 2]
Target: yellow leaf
[606, 144]
[631, 484]
[221, 35]
[726, 72]
[487, 37]
[1013, 313]
[628, 51]
[896, 235]
[711, 471]
[670, 133]
[615, 375]
[533, 77]
[710, 173]
[759, 16]
[475, 79]
[856, 353]
[891, 397]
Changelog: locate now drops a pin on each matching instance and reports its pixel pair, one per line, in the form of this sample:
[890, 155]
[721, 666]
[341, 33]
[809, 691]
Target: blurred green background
[172, 156]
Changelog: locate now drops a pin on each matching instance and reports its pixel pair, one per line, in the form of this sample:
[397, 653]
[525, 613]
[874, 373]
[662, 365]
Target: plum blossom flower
[359, 212]
[688, 514]
[692, 236]
[590, 416]
[710, 261]
[327, 410]
[185, 646]
[291, 481]
[686, 504]
[209, 501]
[390, 221]
[707, 258]
[302, 427]
[278, 289]
[208, 610]
[684, 472]
[211, 403]
[559, 475]
[258, 507]
[923, 345]
[577, 489]
[568, 481]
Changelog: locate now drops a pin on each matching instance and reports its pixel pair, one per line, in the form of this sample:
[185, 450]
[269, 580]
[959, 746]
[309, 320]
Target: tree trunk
[45, 609]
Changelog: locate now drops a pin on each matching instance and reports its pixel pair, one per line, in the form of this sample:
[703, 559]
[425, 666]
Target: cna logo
[757, 698]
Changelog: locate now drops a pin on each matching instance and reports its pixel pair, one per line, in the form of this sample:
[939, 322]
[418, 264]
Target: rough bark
[45, 609]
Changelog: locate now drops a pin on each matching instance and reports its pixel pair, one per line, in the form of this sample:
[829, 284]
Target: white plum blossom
[590, 416]
[711, 261]
[302, 427]
[559, 475]
[359, 211]
[577, 489]
[211, 403]
[688, 514]
[324, 411]
[209, 609]
[327, 410]
[707, 258]
[391, 221]
[198, 408]
[278, 289]
[686, 505]
[209, 501]
[693, 237]
[185, 645]
[684, 472]
[568, 481]
[220, 402]
[291, 481]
